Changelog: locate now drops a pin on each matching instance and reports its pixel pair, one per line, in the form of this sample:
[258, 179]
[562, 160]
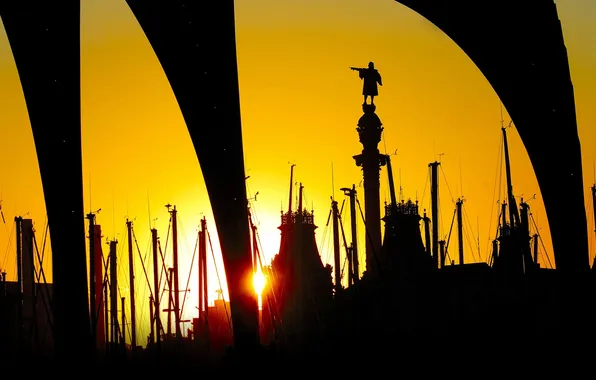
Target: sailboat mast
[156, 293]
[460, 229]
[513, 213]
[114, 292]
[170, 302]
[391, 184]
[176, 284]
[203, 259]
[131, 276]
[123, 323]
[336, 256]
[291, 186]
[353, 252]
[92, 278]
[20, 330]
[434, 195]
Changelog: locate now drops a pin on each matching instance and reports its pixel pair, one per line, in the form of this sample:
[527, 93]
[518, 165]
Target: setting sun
[258, 282]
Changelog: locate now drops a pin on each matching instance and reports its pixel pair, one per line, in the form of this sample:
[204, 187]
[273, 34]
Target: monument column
[369, 132]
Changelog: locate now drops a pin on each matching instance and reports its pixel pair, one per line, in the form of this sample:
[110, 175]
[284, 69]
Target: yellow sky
[300, 104]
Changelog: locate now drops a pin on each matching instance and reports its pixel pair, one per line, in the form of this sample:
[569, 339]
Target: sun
[258, 282]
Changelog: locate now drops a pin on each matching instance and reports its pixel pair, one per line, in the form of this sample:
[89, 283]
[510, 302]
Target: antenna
[89, 193]
[148, 209]
[113, 215]
[332, 183]
[461, 181]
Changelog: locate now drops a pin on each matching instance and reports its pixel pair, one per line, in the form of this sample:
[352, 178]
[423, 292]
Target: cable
[218, 279]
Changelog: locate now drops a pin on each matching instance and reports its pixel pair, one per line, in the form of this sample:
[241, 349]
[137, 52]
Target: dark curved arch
[45, 42]
[195, 44]
[519, 47]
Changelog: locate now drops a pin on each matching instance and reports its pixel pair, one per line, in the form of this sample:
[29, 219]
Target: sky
[299, 104]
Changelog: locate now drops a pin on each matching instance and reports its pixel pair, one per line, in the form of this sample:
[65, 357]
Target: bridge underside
[519, 47]
[196, 45]
[520, 50]
[44, 37]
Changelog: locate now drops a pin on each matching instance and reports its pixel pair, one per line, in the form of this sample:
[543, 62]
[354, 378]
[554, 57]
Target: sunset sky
[300, 104]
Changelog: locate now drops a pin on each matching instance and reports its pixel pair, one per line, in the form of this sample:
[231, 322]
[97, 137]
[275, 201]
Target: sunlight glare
[258, 282]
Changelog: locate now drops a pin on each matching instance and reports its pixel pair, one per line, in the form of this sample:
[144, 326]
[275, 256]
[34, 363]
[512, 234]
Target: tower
[369, 132]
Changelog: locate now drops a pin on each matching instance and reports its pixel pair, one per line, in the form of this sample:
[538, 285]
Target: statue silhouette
[370, 77]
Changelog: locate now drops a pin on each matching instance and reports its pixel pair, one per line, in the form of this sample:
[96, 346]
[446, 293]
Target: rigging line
[9, 235]
[142, 263]
[345, 243]
[100, 301]
[164, 272]
[446, 183]
[472, 241]
[424, 189]
[343, 268]
[496, 190]
[45, 240]
[182, 230]
[41, 274]
[192, 264]
[218, 279]
[450, 230]
[165, 248]
[470, 231]
[8, 247]
[541, 241]
[120, 257]
[469, 241]
[119, 293]
[448, 256]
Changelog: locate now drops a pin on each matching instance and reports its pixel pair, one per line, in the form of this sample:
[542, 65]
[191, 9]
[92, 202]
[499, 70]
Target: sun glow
[258, 282]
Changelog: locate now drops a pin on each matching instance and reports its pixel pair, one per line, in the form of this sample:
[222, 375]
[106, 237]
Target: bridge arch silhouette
[517, 45]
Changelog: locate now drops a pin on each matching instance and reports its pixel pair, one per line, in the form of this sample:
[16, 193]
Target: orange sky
[300, 104]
